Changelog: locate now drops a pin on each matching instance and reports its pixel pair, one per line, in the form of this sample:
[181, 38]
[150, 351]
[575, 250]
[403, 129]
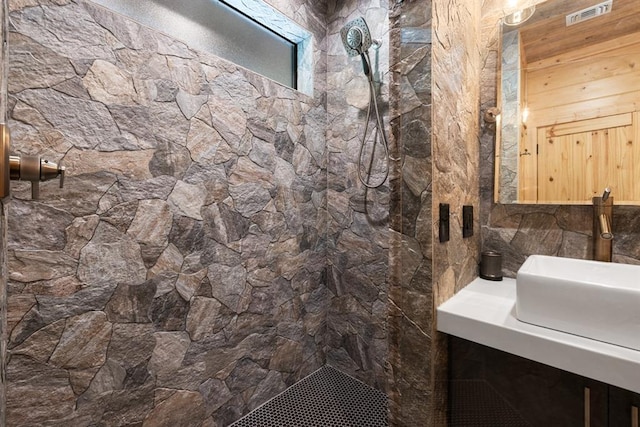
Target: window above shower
[249, 33]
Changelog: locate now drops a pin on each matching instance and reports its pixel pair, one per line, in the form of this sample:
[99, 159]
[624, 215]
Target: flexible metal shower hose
[379, 132]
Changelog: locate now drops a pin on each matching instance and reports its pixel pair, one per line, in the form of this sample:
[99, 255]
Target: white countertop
[485, 312]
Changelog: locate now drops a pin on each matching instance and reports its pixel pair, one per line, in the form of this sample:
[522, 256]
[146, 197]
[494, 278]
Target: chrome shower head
[356, 37]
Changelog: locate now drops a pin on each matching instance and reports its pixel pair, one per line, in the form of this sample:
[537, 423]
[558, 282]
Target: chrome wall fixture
[24, 168]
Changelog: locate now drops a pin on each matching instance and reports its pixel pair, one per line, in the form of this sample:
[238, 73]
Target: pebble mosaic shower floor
[326, 398]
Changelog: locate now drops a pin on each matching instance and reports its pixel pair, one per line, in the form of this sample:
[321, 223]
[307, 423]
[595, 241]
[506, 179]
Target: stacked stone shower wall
[178, 278]
[411, 258]
[435, 125]
[358, 230]
[3, 312]
[3, 222]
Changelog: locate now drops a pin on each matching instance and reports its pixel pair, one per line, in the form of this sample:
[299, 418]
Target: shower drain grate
[326, 398]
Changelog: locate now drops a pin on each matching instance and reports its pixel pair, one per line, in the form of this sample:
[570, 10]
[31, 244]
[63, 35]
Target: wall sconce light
[525, 115]
[519, 16]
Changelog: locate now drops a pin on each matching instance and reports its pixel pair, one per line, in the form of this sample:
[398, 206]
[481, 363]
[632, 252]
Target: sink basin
[597, 300]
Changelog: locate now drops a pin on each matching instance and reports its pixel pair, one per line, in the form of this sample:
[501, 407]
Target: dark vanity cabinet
[624, 408]
[491, 388]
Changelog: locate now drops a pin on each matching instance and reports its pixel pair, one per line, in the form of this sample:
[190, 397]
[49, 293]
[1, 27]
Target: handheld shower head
[357, 40]
[356, 37]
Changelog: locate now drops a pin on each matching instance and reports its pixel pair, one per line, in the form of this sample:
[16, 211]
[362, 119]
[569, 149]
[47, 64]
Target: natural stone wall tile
[86, 124]
[80, 379]
[109, 378]
[131, 164]
[288, 354]
[154, 188]
[187, 199]
[456, 167]
[224, 224]
[202, 141]
[187, 74]
[131, 303]
[229, 286]
[190, 104]
[227, 118]
[80, 195]
[40, 345]
[17, 307]
[79, 233]
[108, 84]
[170, 261]
[128, 406]
[190, 234]
[29, 58]
[169, 311]
[168, 353]
[170, 412]
[54, 307]
[203, 318]
[151, 227]
[31, 400]
[111, 256]
[40, 22]
[131, 347]
[246, 374]
[188, 284]
[84, 342]
[52, 138]
[34, 265]
[270, 386]
[128, 33]
[170, 159]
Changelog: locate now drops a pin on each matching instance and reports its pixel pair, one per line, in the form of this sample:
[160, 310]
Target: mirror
[569, 100]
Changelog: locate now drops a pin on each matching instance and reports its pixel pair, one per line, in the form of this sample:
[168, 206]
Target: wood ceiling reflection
[546, 34]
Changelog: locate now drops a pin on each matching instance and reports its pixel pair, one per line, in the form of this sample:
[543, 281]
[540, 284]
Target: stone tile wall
[521, 230]
[358, 230]
[179, 277]
[436, 126]
[456, 150]
[3, 221]
[456, 115]
[3, 311]
[411, 258]
[193, 276]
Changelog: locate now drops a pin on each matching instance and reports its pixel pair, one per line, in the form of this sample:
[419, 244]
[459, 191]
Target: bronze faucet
[602, 229]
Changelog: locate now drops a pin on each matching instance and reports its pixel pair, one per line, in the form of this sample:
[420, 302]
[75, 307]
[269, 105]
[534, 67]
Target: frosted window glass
[213, 26]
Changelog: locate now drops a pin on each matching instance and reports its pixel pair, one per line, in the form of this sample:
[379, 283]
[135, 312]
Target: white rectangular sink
[593, 299]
